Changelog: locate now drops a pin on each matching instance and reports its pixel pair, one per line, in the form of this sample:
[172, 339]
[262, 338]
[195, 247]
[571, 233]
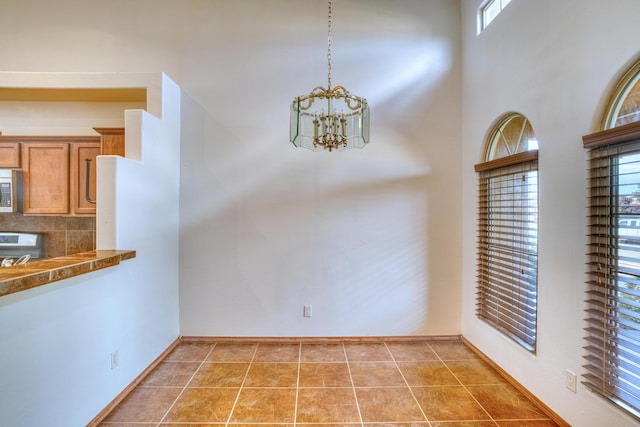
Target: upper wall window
[507, 283]
[488, 11]
[624, 105]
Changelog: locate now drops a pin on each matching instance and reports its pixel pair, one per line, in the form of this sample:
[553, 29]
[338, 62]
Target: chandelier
[331, 118]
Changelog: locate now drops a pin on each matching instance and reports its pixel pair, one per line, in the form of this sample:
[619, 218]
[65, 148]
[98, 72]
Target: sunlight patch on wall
[405, 70]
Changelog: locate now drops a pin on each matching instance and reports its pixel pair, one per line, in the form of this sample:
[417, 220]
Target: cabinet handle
[87, 182]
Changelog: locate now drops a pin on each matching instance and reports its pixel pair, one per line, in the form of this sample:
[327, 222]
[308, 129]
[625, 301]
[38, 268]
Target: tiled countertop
[40, 272]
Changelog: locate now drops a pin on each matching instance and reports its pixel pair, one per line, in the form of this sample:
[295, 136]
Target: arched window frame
[629, 82]
[506, 295]
[497, 136]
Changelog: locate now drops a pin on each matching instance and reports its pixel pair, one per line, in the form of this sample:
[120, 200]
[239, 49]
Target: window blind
[612, 312]
[507, 266]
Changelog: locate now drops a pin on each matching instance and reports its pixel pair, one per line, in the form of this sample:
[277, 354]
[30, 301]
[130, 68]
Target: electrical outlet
[571, 381]
[307, 311]
[114, 359]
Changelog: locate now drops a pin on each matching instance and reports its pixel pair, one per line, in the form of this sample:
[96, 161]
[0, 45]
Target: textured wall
[370, 238]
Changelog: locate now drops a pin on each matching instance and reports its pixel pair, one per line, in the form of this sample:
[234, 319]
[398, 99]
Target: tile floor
[395, 384]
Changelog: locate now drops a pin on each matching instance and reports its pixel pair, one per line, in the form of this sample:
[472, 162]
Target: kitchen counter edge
[41, 272]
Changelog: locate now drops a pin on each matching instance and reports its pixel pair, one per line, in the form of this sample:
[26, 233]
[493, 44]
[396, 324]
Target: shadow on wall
[267, 228]
[369, 237]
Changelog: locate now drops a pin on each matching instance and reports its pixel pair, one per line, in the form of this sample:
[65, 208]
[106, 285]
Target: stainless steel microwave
[10, 190]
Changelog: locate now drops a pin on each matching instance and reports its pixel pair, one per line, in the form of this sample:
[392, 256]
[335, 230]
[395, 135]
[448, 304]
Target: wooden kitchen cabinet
[112, 141]
[45, 167]
[83, 191]
[9, 155]
[54, 174]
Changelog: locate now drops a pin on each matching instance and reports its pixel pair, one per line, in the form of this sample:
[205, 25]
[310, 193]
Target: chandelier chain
[329, 48]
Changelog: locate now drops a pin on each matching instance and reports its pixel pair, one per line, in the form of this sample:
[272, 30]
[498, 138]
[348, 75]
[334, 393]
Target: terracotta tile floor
[399, 384]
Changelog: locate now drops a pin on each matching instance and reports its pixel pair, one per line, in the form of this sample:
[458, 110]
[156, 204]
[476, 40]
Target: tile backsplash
[62, 235]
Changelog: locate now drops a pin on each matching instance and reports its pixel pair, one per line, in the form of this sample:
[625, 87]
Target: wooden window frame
[506, 295]
[619, 96]
[612, 313]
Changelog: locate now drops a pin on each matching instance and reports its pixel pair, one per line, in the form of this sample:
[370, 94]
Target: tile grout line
[184, 388]
[457, 359]
[295, 406]
[415, 399]
[246, 374]
[353, 385]
[463, 385]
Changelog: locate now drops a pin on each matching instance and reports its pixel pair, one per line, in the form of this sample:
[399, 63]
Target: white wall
[555, 62]
[369, 238]
[57, 340]
[64, 118]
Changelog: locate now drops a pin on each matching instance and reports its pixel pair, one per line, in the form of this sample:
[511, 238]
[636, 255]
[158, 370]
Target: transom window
[488, 11]
[507, 279]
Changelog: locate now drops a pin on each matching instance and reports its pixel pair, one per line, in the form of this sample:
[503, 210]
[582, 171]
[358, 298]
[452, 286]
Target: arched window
[508, 231]
[624, 104]
[612, 311]
[513, 134]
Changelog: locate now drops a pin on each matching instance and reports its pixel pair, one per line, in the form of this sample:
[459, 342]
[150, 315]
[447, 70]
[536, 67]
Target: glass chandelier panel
[329, 119]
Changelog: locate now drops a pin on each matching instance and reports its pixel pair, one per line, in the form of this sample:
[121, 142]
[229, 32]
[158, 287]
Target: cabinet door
[45, 177]
[83, 191]
[9, 155]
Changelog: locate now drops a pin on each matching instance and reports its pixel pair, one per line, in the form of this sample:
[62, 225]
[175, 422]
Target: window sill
[41, 272]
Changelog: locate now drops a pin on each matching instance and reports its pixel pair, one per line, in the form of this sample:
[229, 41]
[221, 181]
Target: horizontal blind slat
[507, 263]
[612, 305]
